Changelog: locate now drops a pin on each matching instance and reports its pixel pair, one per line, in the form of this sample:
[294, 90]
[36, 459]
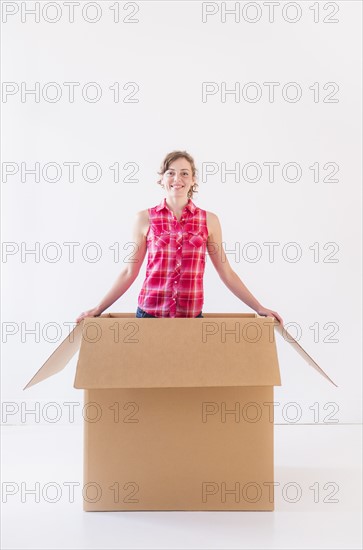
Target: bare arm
[129, 273]
[226, 273]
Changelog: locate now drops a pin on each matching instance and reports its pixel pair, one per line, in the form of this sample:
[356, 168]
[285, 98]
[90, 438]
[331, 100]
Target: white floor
[323, 462]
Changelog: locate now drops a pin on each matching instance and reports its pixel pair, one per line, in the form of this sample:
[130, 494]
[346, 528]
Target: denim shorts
[141, 313]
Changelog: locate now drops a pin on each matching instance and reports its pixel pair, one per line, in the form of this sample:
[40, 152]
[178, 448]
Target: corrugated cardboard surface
[179, 449]
[220, 321]
[60, 357]
[181, 352]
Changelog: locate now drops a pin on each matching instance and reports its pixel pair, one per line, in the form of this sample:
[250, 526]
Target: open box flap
[208, 352]
[300, 350]
[60, 357]
[71, 344]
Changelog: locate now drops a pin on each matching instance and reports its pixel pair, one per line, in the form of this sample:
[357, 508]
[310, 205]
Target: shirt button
[178, 247]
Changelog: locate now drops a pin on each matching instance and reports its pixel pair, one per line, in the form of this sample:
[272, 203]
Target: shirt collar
[190, 206]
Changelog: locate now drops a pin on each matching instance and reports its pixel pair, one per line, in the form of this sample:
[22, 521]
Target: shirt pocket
[160, 238]
[195, 237]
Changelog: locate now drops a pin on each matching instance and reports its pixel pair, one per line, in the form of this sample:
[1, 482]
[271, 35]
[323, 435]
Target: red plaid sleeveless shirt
[173, 286]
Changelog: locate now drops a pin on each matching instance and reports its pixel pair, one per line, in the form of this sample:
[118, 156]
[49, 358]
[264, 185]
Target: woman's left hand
[269, 313]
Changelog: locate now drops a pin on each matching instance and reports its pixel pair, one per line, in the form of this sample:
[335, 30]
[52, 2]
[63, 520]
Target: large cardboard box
[178, 412]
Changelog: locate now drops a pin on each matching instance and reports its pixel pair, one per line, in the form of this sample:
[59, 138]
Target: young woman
[176, 234]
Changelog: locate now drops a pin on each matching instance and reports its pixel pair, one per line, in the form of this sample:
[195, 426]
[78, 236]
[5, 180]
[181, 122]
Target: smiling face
[178, 178]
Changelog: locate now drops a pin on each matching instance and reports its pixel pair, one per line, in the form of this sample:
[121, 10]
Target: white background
[169, 53]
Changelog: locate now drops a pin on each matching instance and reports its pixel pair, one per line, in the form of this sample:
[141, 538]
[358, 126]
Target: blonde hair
[174, 155]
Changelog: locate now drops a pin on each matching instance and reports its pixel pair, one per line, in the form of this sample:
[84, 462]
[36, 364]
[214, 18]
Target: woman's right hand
[94, 312]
